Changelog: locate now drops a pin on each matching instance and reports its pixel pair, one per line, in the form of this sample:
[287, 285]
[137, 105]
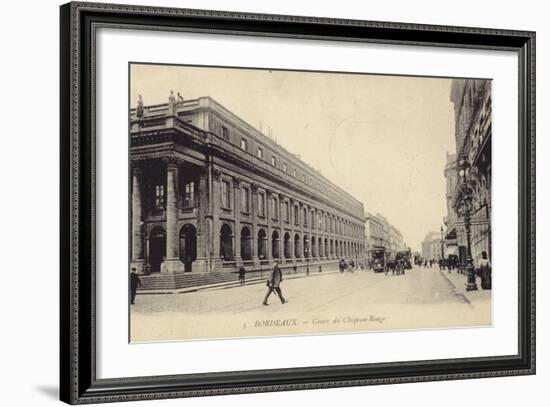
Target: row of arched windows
[301, 247]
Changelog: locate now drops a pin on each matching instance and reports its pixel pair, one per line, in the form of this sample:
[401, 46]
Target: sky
[381, 138]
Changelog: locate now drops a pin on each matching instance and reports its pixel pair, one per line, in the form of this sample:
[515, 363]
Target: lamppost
[306, 253]
[464, 208]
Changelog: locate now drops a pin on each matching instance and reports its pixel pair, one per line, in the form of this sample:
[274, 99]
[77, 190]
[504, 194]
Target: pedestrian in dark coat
[274, 284]
[485, 270]
[135, 282]
[341, 265]
[242, 274]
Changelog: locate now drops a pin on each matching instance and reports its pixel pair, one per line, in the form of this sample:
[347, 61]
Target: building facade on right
[453, 223]
[472, 107]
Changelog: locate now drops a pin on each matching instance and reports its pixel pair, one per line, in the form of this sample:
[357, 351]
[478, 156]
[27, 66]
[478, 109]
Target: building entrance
[157, 248]
[188, 246]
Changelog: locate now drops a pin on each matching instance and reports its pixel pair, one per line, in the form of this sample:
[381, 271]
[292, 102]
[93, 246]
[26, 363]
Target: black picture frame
[78, 382]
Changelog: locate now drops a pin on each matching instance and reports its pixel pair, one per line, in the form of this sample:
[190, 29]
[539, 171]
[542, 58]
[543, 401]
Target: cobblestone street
[328, 302]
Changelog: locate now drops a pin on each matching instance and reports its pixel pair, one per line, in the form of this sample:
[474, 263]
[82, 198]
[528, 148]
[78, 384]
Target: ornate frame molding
[79, 21]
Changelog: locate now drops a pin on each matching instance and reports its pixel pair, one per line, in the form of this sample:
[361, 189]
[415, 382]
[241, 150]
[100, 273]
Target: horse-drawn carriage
[405, 257]
[378, 259]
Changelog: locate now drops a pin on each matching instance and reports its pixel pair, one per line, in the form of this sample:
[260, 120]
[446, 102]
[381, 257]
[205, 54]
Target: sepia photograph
[271, 202]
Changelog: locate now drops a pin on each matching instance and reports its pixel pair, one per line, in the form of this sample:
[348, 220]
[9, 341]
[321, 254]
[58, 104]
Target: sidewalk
[459, 281]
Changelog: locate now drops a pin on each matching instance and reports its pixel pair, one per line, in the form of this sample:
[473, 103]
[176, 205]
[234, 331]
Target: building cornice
[208, 103]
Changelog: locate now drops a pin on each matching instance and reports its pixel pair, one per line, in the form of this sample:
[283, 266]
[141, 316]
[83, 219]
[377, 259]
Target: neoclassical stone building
[376, 232]
[211, 193]
[473, 130]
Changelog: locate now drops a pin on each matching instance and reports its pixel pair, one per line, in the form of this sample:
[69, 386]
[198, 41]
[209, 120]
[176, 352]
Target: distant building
[395, 240]
[431, 246]
[376, 235]
[382, 234]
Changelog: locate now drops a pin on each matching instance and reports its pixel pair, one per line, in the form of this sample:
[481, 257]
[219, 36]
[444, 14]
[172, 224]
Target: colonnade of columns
[285, 228]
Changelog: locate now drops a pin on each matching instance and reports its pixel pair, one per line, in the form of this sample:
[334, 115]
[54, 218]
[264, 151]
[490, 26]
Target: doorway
[157, 248]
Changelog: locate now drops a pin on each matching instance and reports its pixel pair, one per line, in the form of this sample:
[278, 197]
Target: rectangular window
[312, 219]
[287, 212]
[189, 195]
[225, 198]
[285, 167]
[244, 144]
[260, 153]
[159, 197]
[296, 219]
[275, 207]
[305, 217]
[225, 133]
[261, 204]
[245, 202]
[273, 161]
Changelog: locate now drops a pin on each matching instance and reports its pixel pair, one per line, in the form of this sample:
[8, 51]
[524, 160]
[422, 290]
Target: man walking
[135, 282]
[274, 283]
[242, 273]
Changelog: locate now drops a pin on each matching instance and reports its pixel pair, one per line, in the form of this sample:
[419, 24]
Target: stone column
[267, 203]
[215, 255]
[137, 225]
[282, 230]
[301, 226]
[203, 232]
[254, 231]
[172, 262]
[291, 204]
[237, 213]
[330, 237]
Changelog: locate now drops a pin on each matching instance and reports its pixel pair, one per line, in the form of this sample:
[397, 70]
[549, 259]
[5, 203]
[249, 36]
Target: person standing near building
[485, 271]
[341, 265]
[274, 284]
[242, 275]
[135, 282]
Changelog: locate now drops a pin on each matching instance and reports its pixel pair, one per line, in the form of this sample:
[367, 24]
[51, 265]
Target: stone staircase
[168, 282]
[165, 281]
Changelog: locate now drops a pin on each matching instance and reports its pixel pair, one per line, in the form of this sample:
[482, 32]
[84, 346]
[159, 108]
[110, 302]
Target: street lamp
[464, 207]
